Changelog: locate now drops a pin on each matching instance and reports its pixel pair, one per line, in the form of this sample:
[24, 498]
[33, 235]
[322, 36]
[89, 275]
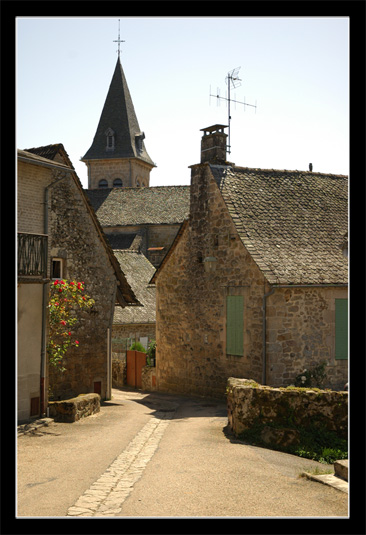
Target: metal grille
[32, 254]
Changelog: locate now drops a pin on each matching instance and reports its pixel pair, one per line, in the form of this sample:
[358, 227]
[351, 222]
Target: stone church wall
[130, 172]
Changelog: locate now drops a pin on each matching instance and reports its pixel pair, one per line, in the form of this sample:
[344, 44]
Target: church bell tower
[117, 156]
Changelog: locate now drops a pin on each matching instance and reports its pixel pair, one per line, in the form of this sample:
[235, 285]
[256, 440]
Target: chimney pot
[213, 144]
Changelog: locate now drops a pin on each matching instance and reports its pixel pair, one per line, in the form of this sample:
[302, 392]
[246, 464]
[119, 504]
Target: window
[341, 329]
[103, 183]
[234, 325]
[117, 183]
[56, 268]
[110, 139]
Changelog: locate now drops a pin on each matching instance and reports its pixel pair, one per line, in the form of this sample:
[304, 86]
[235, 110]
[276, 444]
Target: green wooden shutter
[234, 324]
[341, 328]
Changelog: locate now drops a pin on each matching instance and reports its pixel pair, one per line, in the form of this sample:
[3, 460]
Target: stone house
[255, 283]
[59, 236]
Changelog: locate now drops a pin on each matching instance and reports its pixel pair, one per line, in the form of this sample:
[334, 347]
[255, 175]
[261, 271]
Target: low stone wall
[119, 373]
[148, 377]
[288, 408]
[71, 410]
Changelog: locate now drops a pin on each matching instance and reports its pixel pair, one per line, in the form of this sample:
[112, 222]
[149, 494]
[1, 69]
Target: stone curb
[328, 479]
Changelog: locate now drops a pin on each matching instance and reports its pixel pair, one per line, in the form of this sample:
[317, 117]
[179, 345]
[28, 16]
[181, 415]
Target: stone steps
[341, 469]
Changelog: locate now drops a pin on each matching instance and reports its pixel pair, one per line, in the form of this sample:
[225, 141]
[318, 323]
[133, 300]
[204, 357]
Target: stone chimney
[213, 144]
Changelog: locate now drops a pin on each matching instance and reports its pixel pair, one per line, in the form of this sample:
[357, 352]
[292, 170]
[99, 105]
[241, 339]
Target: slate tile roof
[55, 152]
[292, 222]
[118, 114]
[138, 271]
[140, 206]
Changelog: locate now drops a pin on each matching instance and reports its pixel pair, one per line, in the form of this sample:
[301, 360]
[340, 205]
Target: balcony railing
[32, 255]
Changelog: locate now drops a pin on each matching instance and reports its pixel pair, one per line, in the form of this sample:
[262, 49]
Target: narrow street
[162, 455]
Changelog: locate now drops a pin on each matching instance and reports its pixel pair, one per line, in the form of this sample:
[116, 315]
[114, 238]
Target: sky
[294, 69]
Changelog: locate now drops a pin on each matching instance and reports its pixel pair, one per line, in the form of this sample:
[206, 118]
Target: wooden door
[136, 360]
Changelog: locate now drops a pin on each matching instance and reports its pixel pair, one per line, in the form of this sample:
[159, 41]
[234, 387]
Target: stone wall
[75, 239]
[72, 410]
[148, 377]
[130, 171]
[191, 303]
[119, 372]
[301, 334]
[249, 403]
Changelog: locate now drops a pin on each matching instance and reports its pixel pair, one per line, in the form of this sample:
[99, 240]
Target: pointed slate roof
[118, 115]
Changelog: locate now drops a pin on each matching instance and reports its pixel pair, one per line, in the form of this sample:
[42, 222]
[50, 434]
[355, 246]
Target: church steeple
[118, 155]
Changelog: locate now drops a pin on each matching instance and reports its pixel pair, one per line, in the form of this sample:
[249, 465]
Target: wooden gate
[136, 360]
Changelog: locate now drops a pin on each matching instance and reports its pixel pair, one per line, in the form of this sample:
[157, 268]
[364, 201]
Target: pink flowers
[63, 322]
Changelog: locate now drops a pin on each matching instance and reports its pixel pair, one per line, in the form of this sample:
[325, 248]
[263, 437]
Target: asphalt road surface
[162, 456]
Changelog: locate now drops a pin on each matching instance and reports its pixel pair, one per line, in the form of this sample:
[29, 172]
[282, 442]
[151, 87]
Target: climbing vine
[65, 299]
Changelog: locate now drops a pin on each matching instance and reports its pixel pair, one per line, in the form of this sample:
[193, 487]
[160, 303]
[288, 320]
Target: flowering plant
[313, 377]
[64, 300]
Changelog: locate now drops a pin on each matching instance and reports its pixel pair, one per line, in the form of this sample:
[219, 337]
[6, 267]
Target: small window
[56, 268]
[103, 183]
[110, 139]
[117, 183]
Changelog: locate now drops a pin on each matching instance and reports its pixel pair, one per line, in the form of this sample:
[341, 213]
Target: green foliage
[315, 442]
[312, 377]
[151, 352]
[137, 346]
[65, 298]
[320, 444]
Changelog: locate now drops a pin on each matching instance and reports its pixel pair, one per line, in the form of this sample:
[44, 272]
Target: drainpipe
[264, 353]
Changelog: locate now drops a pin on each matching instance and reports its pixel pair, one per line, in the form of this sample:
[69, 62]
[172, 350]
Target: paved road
[160, 455]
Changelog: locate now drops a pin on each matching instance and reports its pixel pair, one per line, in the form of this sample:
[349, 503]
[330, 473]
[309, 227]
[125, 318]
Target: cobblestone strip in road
[105, 497]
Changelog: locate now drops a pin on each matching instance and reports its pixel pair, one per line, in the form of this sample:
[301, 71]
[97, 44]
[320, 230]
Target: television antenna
[232, 79]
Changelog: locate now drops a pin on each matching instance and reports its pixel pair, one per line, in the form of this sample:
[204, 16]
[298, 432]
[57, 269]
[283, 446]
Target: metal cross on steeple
[118, 40]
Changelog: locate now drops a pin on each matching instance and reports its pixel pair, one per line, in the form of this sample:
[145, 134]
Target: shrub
[312, 377]
[137, 346]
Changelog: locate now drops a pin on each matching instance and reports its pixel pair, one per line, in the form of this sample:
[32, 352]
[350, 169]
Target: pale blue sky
[295, 69]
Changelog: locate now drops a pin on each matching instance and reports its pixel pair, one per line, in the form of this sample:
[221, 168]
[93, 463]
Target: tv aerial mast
[233, 81]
